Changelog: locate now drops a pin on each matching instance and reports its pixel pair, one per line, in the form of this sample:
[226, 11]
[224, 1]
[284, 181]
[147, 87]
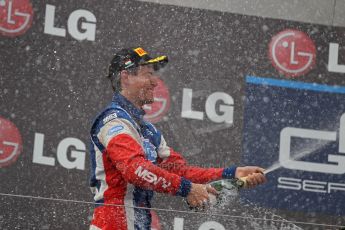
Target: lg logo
[333, 59]
[70, 151]
[10, 142]
[15, 17]
[219, 107]
[87, 30]
[292, 52]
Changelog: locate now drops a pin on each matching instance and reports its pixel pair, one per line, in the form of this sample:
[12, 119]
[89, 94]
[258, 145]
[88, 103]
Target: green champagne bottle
[228, 190]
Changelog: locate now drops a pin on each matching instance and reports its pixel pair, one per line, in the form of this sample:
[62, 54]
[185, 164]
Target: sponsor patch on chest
[115, 129]
[109, 118]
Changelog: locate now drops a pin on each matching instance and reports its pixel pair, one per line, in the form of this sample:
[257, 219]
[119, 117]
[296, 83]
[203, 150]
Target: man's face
[141, 86]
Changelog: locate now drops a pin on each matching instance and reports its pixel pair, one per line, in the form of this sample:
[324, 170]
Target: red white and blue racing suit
[130, 160]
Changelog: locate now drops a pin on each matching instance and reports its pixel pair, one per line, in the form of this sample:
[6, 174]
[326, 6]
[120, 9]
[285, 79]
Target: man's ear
[124, 78]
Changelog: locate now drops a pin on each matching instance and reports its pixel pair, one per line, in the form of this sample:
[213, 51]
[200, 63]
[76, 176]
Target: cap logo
[140, 51]
[128, 64]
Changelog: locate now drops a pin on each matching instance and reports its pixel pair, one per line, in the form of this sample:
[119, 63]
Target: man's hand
[198, 195]
[254, 175]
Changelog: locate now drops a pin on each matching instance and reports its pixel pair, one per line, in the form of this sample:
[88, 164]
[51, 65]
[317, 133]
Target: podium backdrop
[238, 90]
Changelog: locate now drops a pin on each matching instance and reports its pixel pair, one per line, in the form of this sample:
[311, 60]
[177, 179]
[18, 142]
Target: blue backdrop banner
[296, 130]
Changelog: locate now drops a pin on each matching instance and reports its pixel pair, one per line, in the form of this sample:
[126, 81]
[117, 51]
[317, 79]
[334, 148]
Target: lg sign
[217, 112]
[10, 142]
[293, 53]
[15, 17]
[70, 151]
[87, 30]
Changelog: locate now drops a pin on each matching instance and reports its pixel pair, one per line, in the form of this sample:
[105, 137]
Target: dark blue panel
[272, 105]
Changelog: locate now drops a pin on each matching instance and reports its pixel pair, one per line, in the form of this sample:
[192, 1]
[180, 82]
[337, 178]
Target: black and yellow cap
[134, 57]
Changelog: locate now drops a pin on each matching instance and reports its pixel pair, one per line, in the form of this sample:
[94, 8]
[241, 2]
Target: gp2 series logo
[10, 142]
[296, 130]
[15, 17]
[292, 52]
[337, 160]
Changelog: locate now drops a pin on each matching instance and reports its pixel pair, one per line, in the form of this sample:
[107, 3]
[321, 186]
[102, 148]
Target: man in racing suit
[130, 158]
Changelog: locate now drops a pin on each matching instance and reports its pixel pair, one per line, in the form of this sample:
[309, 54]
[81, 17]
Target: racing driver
[130, 159]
